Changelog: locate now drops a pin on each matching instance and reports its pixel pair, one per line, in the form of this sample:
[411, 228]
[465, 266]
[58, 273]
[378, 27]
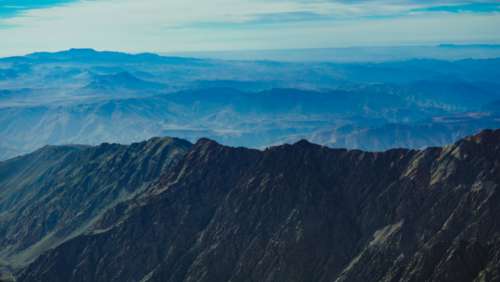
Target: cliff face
[56, 192]
[299, 212]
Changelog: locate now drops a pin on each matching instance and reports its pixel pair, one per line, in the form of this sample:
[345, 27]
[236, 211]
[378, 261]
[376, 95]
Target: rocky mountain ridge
[299, 212]
[56, 192]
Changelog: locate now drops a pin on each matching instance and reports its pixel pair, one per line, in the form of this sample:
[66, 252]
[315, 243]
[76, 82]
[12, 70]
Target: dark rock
[300, 213]
[57, 192]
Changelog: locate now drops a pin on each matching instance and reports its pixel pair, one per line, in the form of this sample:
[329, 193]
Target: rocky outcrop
[300, 212]
[57, 192]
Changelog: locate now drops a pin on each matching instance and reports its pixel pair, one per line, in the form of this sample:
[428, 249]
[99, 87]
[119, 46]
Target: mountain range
[83, 96]
[169, 210]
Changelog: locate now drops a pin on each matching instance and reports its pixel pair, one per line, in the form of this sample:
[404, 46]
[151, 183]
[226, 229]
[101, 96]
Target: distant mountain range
[167, 210]
[432, 132]
[83, 96]
[359, 54]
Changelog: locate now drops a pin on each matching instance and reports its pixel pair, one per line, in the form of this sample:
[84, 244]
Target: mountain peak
[205, 142]
[80, 50]
[72, 53]
[303, 143]
[487, 136]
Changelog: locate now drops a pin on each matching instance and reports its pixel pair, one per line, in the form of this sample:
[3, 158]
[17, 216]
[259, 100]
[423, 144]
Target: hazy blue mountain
[359, 54]
[433, 132]
[121, 82]
[86, 96]
[92, 56]
[493, 106]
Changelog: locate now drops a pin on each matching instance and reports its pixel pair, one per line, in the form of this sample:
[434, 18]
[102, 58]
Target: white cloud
[178, 25]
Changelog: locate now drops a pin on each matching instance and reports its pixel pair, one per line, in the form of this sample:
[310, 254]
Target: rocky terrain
[56, 192]
[300, 212]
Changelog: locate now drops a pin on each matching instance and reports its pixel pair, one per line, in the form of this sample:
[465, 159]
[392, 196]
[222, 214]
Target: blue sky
[10, 8]
[473, 7]
[202, 25]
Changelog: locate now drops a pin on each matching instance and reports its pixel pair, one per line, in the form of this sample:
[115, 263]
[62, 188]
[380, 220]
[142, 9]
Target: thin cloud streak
[194, 25]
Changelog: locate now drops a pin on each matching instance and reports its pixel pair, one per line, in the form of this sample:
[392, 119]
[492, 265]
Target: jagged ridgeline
[166, 210]
[57, 192]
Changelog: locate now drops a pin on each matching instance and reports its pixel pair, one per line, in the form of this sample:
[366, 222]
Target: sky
[201, 25]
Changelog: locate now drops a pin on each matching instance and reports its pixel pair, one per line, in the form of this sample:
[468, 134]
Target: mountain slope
[54, 193]
[432, 132]
[379, 118]
[88, 97]
[300, 212]
[121, 81]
